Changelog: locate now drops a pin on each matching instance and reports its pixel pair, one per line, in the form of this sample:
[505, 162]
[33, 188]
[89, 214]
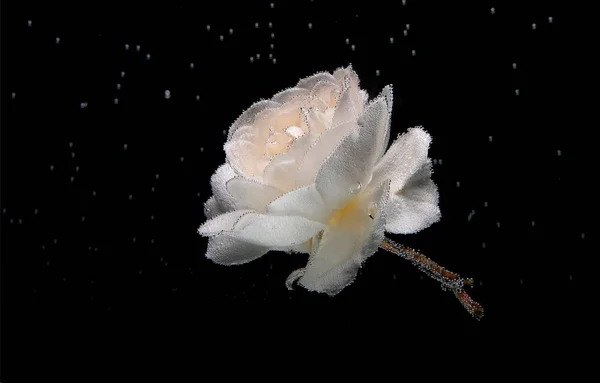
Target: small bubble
[434, 161]
[550, 19]
[514, 65]
[272, 35]
[309, 25]
[116, 101]
[407, 27]
[152, 218]
[198, 194]
[532, 223]
[274, 61]
[353, 47]
[270, 24]
[517, 92]
[83, 105]
[347, 41]
[96, 249]
[156, 176]
[221, 37]
[181, 159]
[224, 132]
[20, 221]
[582, 235]
[372, 210]
[270, 56]
[498, 224]
[130, 197]
[43, 247]
[70, 144]
[83, 218]
[570, 277]
[153, 189]
[252, 59]
[272, 5]
[11, 221]
[483, 245]
[133, 239]
[191, 65]
[123, 74]
[138, 48]
[272, 46]
[258, 56]
[197, 97]
[493, 11]
[355, 188]
[558, 153]
[439, 161]
[58, 40]
[76, 169]
[126, 47]
[391, 40]
[72, 155]
[152, 240]
[256, 25]
[72, 178]
[485, 204]
[14, 95]
[34, 211]
[29, 23]
[94, 193]
[201, 149]
[521, 281]
[124, 146]
[148, 56]
[405, 33]
[457, 184]
[490, 138]
[533, 26]
[167, 94]
[230, 31]
[414, 52]
[403, 2]
[208, 27]
[118, 86]
[377, 73]
[55, 241]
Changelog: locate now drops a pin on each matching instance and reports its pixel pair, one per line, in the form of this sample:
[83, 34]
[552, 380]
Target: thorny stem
[449, 280]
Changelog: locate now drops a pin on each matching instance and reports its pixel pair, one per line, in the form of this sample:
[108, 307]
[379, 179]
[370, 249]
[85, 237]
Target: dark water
[104, 176]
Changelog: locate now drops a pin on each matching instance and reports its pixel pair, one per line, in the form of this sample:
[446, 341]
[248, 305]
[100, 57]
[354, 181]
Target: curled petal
[349, 168]
[344, 247]
[241, 156]
[222, 223]
[388, 95]
[250, 194]
[276, 231]
[223, 201]
[211, 208]
[293, 277]
[247, 117]
[226, 249]
[415, 206]
[344, 110]
[405, 157]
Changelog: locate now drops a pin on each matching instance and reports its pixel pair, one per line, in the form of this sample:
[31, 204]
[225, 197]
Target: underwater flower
[307, 171]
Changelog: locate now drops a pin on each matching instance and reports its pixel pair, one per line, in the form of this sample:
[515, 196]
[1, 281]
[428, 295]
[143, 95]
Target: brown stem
[449, 280]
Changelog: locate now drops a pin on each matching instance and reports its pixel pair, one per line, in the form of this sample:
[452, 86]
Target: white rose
[307, 171]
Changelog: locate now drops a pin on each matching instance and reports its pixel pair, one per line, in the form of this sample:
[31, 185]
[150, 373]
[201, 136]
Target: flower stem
[449, 280]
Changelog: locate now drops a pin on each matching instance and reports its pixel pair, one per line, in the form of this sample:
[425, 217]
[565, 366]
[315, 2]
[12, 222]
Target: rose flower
[307, 171]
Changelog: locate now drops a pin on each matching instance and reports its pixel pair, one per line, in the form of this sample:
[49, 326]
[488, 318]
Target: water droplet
[355, 188]
[126, 47]
[123, 74]
[517, 92]
[558, 153]
[208, 27]
[490, 138]
[493, 11]
[391, 40]
[124, 146]
[533, 26]
[30, 23]
[83, 105]
[14, 95]
[252, 59]
[550, 19]
[353, 47]
[309, 25]
[138, 48]
[414, 52]
[221, 37]
[58, 40]
[116, 101]
[377, 72]
[372, 209]
[130, 197]
[148, 56]
[256, 25]
[514, 65]
[167, 94]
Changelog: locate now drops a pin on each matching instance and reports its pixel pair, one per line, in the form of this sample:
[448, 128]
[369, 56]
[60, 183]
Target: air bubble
[123, 74]
[550, 19]
[58, 40]
[148, 56]
[230, 31]
[118, 86]
[533, 26]
[353, 47]
[372, 209]
[514, 65]
[83, 105]
[126, 47]
[309, 25]
[191, 65]
[391, 40]
[493, 11]
[138, 48]
[167, 94]
[252, 59]
[377, 72]
[559, 152]
[272, 35]
[208, 28]
[256, 25]
[355, 188]
[490, 138]
[124, 146]
[29, 22]
[405, 33]
[414, 52]
[517, 92]
[221, 38]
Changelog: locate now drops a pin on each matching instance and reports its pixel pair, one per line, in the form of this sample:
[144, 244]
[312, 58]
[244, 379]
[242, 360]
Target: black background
[86, 269]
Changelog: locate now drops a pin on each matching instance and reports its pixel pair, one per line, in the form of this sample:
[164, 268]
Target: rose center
[278, 142]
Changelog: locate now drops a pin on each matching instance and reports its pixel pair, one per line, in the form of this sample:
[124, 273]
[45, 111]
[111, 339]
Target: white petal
[211, 208]
[224, 201]
[311, 81]
[414, 207]
[351, 165]
[242, 155]
[247, 117]
[222, 222]
[305, 202]
[250, 194]
[293, 277]
[276, 231]
[318, 153]
[344, 109]
[345, 247]
[282, 168]
[289, 94]
[226, 249]
[403, 159]
[388, 94]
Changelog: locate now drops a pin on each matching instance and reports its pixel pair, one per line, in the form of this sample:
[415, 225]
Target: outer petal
[289, 94]
[211, 208]
[350, 166]
[311, 81]
[242, 155]
[222, 223]
[248, 115]
[403, 159]
[415, 206]
[305, 202]
[388, 94]
[344, 248]
[276, 231]
[344, 110]
[250, 194]
[226, 249]
[223, 201]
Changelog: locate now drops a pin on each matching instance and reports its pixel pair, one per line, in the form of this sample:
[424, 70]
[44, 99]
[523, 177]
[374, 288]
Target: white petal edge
[221, 223]
[226, 249]
[218, 183]
[249, 194]
[305, 202]
[276, 231]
